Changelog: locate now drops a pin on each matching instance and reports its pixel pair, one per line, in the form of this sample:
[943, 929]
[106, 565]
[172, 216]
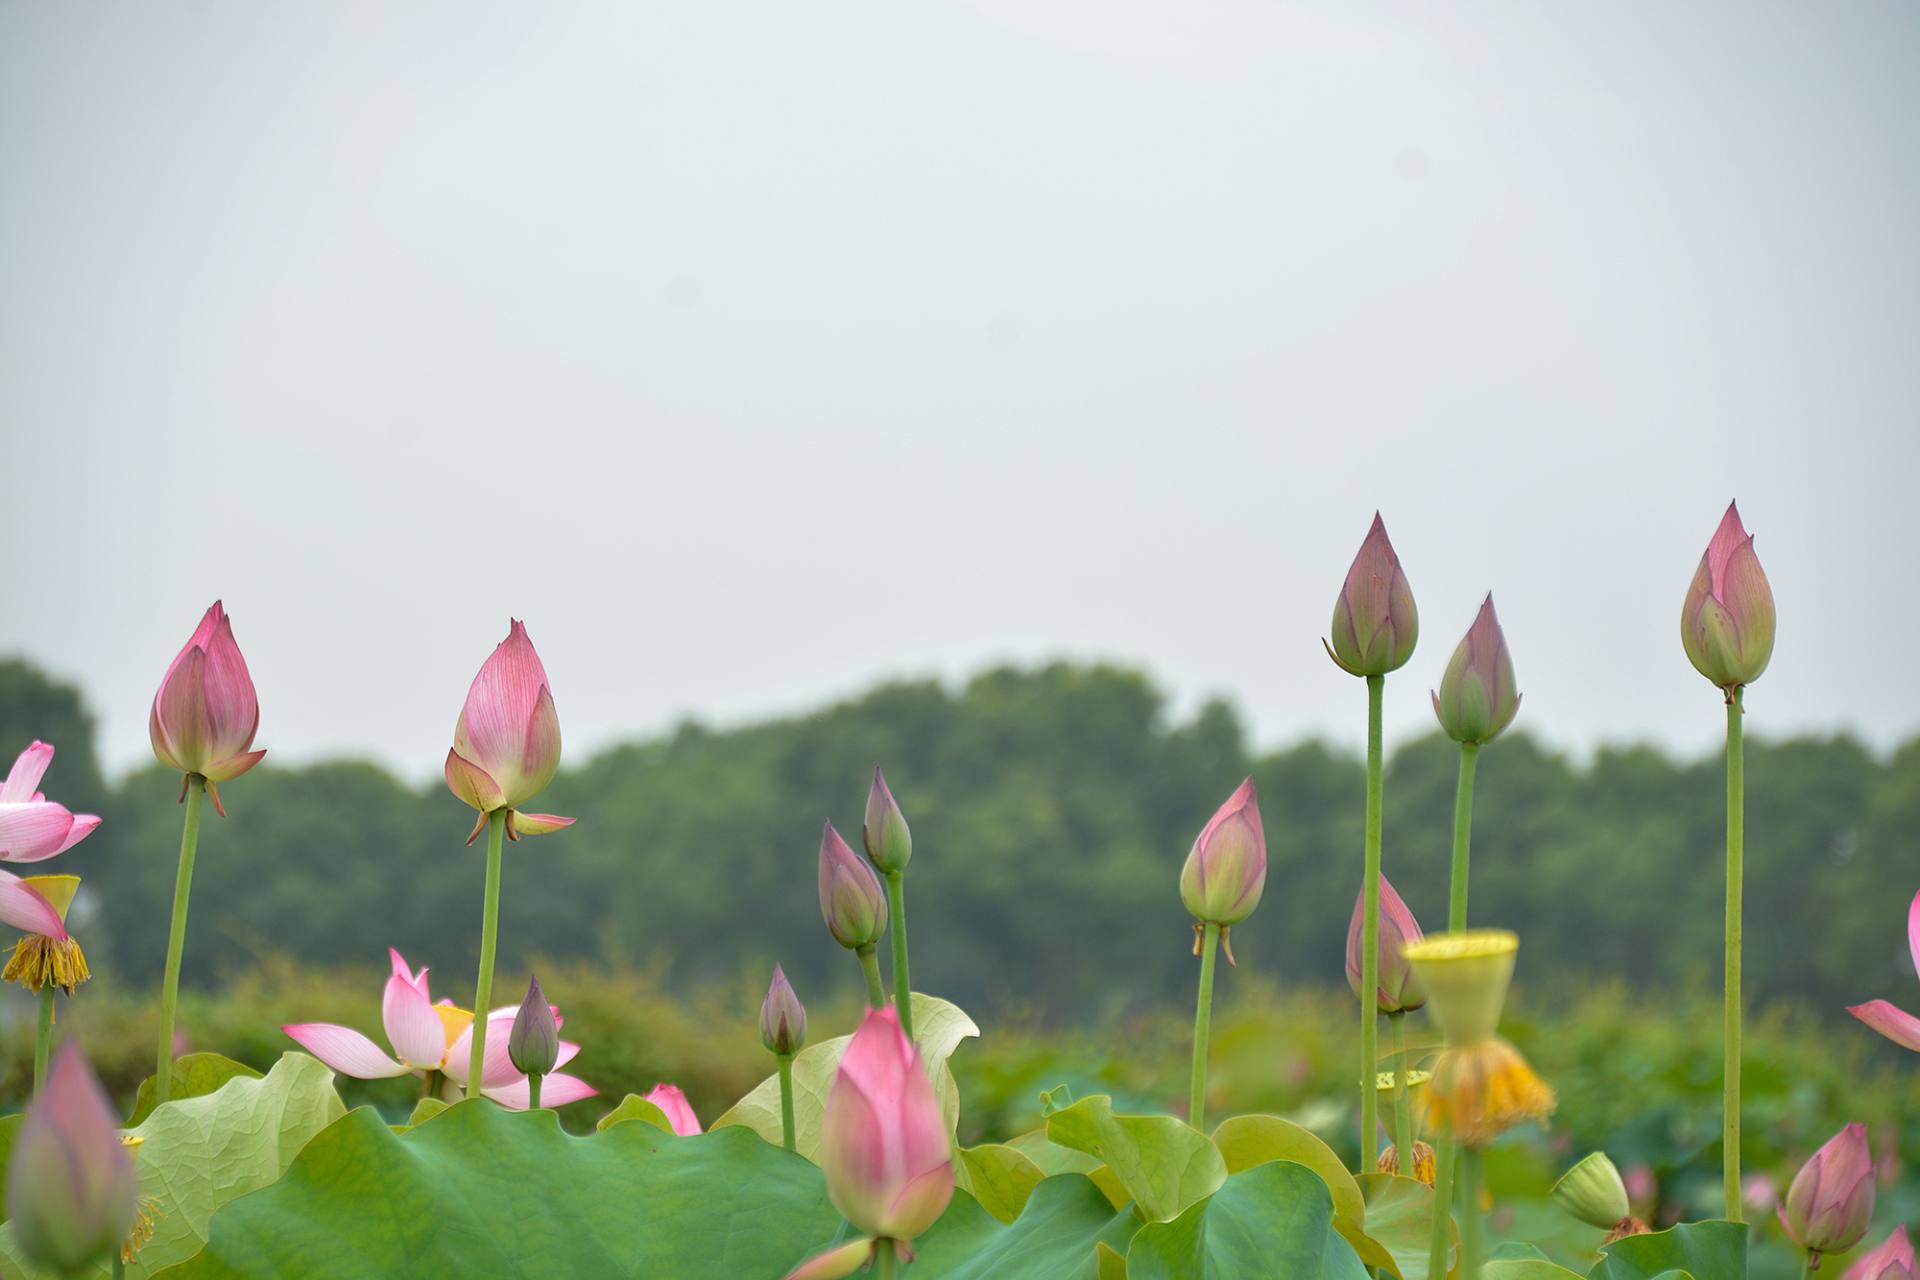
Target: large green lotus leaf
[1054, 1237]
[1050, 1156]
[197, 1154]
[938, 1029]
[997, 1176]
[1109, 1264]
[1399, 1222]
[1165, 1164]
[1711, 1249]
[194, 1076]
[483, 1191]
[634, 1107]
[1275, 1219]
[1247, 1141]
[1526, 1269]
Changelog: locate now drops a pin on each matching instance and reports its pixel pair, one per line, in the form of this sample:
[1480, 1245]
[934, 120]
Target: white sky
[752, 352]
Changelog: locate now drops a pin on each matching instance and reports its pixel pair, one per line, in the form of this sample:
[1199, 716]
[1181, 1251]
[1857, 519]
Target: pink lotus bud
[71, 1189]
[1226, 870]
[884, 1144]
[1726, 622]
[1830, 1203]
[851, 899]
[1399, 990]
[889, 843]
[1374, 621]
[674, 1105]
[206, 712]
[533, 1046]
[32, 827]
[783, 1020]
[506, 744]
[1893, 1260]
[1477, 698]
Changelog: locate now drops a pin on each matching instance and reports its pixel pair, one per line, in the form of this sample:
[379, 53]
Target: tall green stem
[43, 1039]
[902, 982]
[1402, 1112]
[119, 1267]
[1370, 935]
[1462, 837]
[1736, 876]
[1806, 1265]
[786, 1100]
[177, 937]
[489, 927]
[1202, 1028]
[1442, 1205]
[870, 966]
[533, 1091]
[883, 1261]
[1472, 1248]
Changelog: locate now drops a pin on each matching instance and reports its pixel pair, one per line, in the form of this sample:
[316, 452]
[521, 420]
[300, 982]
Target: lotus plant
[71, 1190]
[889, 846]
[434, 1041]
[854, 905]
[1829, 1204]
[47, 957]
[1396, 993]
[203, 721]
[533, 1047]
[1375, 626]
[783, 1030]
[1894, 1023]
[1893, 1260]
[506, 749]
[674, 1106]
[1477, 699]
[1220, 883]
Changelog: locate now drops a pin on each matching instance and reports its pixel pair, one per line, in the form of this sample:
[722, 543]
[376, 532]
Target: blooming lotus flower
[783, 1020]
[533, 1046]
[1477, 698]
[71, 1189]
[884, 1144]
[206, 712]
[1374, 622]
[888, 841]
[1399, 991]
[428, 1037]
[38, 905]
[32, 827]
[1830, 1203]
[1726, 622]
[1893, 1260]
[674, 1105]
[1896, 1024]
[1226, 870]
[506, 744]
[852, 901]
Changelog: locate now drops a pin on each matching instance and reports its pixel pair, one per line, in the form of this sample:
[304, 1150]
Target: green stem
[489, 927]
[1370, 935]
[1472, 1250]
[1736, 875]
[1806, 1265]
[786, 1100]
[883, 1261]
[1442, 1205]
[870, 966]
[1202, 1021]
[431, 1087]
[902, 982]
[43, 1039]
[533, 1091]
[119, 1267]
[177, 937]
[1402, 1111]
[1462, 837]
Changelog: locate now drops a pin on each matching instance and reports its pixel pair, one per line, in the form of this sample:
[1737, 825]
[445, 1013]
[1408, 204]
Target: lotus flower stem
[177, 937]
[1442, 1203]
[1202, 1021]
[1736, 876]
[1370, 933]
[533, 1091]
[1402, 1111]
[489, 928]
[43, 1039]
[902, 982]
[1806, 1265]
[883, 1261]
[119, 1267]
[786, 1100]
[1471, 1248]
[870, 966]
[1462, 837]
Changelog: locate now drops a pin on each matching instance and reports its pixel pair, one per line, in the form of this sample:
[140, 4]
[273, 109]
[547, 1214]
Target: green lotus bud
[534, 1044]
[1374, 622]
[1593, 1192]
[71, 1189]
[889, 843]
[1477, 698]
[1727, 620]
[783, 1020]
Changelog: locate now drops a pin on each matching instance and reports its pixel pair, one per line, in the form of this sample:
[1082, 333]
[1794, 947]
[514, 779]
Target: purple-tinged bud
[71, 1189]
[1727, 620]
[1374, 622]
[851, 899]
[1477, 697]
[1226, 869]
[889, 843]
[783, 1019]
[1399, 990]
[1893, 1260]
[1830, 1203]
[534, 1044]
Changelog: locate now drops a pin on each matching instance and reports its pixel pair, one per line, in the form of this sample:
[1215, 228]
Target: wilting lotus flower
[1477, 697]
[674, 1105]
[206, 712]
[1727, 620]
[1374, 622]
[884, 1144]
[32, 827]
[1896, 1024]
[1399, 990]
[1830, 1203]
[71, 1189]
[428, 1037]
[1226, 870]
[851, 899]
[1893, 1260]
[38, 905]
[506, 744]
[889, 843]
[783, 1020]
[533, 1046]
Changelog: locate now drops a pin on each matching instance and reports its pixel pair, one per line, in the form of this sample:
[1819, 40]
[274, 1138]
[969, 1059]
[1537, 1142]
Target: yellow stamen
[1389, 1161]
[146, 1212]
[1481, 1090]
[39, 960]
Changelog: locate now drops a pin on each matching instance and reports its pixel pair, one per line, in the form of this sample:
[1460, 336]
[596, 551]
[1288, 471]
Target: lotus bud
[889, 843]
[1374, 621]
[1727, 620]
[1226, 870]
[1893, 1260]
[48, 953]
[71, 1189]
[1399, 991]
[783, 1020]
[1593, 1192]
[674, 1105]
[852, 901]
[1477, 698]
[533, 1046]
[206, 712]
[1465, 976]
[1830, 1202]
[884, 1144]
[506, 743]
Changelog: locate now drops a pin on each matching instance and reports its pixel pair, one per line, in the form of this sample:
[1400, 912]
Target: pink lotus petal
[400, 970]
[33, 832]
[1894, 1023]
[83, 826]
[345, 1050]
[498, 1068]
[22, 906]
[1727, 539]
[414, 1030]
[233, 766]
[182, 731]
[674, 1105]
[232, 706]
[539, 824]
[472, 783]
[24, 778]
[1913, 931]
[556, 1090]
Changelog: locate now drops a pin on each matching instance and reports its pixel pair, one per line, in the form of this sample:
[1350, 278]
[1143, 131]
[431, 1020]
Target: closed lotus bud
[206, 712]
[534, 1044]
[884, 1144]
[1830, 1202]
[889, 843]
[71, 1189]
[1593, 1192]
[852, 901]
[1477, 698]
[674, 1105]
[1226, 870]
[506, 743]
[783, 1020]
[1465, 976]
[1374, 622]
[1399, 991]
[1893, 1260]
[1727, 620]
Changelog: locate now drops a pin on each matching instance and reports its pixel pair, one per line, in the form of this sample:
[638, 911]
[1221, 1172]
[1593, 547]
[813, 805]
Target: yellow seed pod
[1465, 976]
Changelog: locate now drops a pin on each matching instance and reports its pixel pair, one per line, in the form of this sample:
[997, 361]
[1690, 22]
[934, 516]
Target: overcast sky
[753, 352]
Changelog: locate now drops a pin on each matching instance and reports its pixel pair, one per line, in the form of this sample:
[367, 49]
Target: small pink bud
[1399, 989]
[1226, 870]
[889, 843]
[783, 1020]
[1830, 1202]
[884, 1144]
[851, 899]
[71, 1189]
[506, 744]
[1726, 622]
[1893, 1260]
[1477, 697]
[206, 712]
[533, 1046]
[1374, 622]
[674, 1105]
